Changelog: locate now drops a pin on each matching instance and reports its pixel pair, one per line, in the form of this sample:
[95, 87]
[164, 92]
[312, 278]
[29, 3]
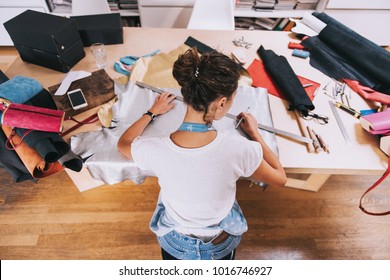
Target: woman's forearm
[268, 154]
[135, 130]
[162, 104]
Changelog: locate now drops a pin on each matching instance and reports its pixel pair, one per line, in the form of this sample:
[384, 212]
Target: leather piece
[34, 163]
[97, 88]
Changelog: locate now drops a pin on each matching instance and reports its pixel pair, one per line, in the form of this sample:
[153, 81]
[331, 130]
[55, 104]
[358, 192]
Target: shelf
[62, 11]
[22, 3]
[127, 13]
[67, 10]
[245, 12]
[270, 14]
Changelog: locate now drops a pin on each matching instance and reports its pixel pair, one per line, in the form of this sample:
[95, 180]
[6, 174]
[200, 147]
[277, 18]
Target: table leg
[313, 183]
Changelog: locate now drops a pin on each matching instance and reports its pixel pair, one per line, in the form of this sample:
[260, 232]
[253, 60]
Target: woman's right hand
[270, 169]
[163, 103]
[249, 125]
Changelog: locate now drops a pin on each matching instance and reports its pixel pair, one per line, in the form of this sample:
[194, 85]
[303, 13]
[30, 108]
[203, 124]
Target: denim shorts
[184, 247]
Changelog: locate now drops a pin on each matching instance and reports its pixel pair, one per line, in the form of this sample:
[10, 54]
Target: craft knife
[339, 122]
[280, 132]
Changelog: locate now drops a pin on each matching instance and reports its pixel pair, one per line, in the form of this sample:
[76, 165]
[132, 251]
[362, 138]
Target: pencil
[241, 119]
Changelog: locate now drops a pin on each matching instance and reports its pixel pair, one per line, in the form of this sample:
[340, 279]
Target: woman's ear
[217, 108]
[221, 103]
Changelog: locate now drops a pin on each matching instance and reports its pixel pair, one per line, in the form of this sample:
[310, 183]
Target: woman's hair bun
[204, 78]
[186, 67]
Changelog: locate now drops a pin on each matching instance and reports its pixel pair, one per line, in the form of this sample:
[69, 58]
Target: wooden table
[362, 156]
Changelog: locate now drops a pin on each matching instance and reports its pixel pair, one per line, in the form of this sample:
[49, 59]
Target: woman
[197, 215]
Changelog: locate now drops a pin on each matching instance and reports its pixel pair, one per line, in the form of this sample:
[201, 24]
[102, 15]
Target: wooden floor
[51, 219]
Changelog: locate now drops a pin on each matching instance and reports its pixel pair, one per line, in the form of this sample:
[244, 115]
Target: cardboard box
[101, 28]
[47, 40]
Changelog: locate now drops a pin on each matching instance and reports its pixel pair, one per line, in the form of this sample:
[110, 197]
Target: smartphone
[77, 99]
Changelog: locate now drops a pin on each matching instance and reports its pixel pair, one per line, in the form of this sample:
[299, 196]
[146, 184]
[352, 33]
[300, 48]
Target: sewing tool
[324, 146]
[280, 132]
[304, 132]
[339, 122]
[240, 42]
[316, 143]
[326, 86]
[241, 119]
[343, 95]
[324, 90]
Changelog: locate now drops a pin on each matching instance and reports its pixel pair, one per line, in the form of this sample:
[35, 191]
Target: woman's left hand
[163, 103]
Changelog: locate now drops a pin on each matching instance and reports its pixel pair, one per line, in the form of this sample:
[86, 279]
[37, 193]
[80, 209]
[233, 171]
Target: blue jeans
[184, 247]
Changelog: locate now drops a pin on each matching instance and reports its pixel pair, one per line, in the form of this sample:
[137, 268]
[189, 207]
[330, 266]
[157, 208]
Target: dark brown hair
[205, 78]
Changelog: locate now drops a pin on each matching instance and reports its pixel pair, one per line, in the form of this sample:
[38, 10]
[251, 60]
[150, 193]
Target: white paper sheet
[69, 78]
[308, 25]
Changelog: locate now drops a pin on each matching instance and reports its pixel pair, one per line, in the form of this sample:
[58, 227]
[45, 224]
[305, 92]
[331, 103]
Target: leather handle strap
[9, 145]
[387, 172]
[91, 119]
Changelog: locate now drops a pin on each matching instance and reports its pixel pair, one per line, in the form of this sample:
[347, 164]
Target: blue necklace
[196, 127]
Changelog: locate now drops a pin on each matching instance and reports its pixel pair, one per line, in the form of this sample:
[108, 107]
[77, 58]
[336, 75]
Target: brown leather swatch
[97, 88]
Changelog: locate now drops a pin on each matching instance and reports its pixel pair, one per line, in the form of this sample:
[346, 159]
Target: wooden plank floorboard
[51, 219]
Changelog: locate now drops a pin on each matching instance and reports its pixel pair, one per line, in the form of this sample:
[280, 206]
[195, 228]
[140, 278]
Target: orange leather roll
[34, 163]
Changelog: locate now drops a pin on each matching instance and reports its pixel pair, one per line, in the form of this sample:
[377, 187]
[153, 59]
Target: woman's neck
[194, 116]
[187, 139]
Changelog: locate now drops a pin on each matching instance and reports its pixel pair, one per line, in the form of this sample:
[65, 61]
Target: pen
[241, 119]
[307, 85]
[349, 110]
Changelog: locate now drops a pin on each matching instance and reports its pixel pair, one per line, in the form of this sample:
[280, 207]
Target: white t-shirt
[198, 186]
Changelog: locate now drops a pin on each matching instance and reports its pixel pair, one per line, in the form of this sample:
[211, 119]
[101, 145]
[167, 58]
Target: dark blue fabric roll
[357, 57]
[332, 64]
[287, 81]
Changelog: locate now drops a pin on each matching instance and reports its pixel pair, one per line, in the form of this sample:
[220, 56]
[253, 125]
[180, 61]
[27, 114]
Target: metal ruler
[339, 122]
[280, 132]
